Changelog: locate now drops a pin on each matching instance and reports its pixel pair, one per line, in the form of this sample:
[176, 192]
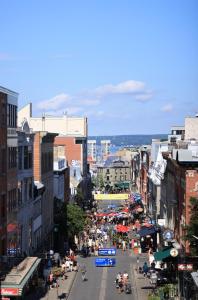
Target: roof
[7, 91]
[19, 275]
[184, 155]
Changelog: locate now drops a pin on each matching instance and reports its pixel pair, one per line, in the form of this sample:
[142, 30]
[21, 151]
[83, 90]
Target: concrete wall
[62, 125]
[191, 128]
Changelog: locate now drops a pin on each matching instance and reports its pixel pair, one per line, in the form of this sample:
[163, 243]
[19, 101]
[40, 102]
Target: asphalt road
[100, 283]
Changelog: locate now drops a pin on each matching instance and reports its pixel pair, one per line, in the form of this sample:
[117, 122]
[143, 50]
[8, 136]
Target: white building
[63, 125]
[91, 144]
[105, 148]
[191, 128]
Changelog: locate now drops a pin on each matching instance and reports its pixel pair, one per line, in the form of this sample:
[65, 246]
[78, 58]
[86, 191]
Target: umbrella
[122, 228]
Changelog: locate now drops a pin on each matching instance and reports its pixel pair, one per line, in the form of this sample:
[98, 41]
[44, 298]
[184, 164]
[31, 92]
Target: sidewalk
[62, 292]
[142, 286]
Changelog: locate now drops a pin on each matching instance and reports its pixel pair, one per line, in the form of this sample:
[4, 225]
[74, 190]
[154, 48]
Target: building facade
[105, 149]
[61, 174]
[8, 172]
[63, 125]
[115, 175]
[91, 150]
[25, 187]
[44, 179]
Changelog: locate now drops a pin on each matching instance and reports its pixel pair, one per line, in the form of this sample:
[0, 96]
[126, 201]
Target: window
[3, 115]
[12, 204]
[107, 177]
[3, 161]
[12, 116]
[27, 157]
[3, 206]
[30, 189]
[20, 158]
[20, 184]
[12, 157]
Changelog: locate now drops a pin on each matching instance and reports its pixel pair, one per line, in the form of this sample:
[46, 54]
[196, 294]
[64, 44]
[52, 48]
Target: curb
[71, 285]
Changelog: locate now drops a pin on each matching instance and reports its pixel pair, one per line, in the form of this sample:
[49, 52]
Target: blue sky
[130, 66]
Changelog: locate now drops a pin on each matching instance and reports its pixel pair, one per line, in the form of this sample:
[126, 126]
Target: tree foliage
[75, 219]
[192, 227]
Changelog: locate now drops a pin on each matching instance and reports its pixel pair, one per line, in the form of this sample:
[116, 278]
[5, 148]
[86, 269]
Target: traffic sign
[107, 251]
[105, 262]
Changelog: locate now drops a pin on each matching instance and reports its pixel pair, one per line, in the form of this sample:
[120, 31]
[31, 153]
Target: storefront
[18, 282]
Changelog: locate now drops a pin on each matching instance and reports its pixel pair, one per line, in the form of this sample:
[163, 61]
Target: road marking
[103, 284]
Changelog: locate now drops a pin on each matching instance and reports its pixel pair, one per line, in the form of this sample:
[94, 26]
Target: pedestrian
[51, 278]
[145, 268]
[138, 262]
[123, 245]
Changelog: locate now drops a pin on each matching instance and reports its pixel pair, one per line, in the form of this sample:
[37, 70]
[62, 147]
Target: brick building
[43, 176]
[179, 185]
[8, 171]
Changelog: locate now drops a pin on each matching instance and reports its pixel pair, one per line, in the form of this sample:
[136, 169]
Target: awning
[144, 231]
[160, 255]
[122, 185]
[18, 277]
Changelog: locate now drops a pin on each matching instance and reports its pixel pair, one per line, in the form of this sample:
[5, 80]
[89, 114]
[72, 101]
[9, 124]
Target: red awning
[12, 227]
[122, 228]
[126, 209]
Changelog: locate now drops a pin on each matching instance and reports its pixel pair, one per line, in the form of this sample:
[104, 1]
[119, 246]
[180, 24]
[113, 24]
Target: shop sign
[181, 267]
[185, 267]
[189, 267]
[161, 222]
[9, 291]
[173, 252]
[168, 235]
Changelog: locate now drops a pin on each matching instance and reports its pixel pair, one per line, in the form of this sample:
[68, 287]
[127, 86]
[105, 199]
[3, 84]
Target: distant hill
[124, 140]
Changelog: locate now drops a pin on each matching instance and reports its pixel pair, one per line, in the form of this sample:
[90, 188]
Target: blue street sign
[107, 251]
[105, 262]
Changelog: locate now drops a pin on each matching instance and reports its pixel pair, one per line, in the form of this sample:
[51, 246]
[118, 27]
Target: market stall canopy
[122, 228]
[160, 255]
[18, 277]
[144, 231]
[126, 209]
[100, 215]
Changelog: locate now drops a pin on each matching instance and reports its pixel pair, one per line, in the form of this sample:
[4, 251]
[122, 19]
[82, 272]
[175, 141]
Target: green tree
[192, 227]
[75, 220]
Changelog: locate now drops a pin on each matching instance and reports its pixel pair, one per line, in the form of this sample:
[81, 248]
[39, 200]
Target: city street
[100, 284]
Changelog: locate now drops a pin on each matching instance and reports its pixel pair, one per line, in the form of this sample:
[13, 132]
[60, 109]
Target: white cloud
[145, 96]
[167, 108]
[126, 87]
[55, 102]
